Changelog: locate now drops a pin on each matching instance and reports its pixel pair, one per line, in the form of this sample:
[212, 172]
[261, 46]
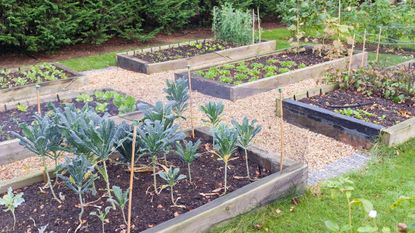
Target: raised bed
[11, 151]
[269, 186]
[234, 92]
[360, 133]
[17, 93]
[130, 61]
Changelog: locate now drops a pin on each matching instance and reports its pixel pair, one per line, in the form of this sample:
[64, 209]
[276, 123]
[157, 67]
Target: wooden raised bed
[11, 150]
[73, 81]
[272, 187]
[128, 61]
[358, 133]
[235, 92]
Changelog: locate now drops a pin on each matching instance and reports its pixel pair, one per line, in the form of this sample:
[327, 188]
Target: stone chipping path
[339, 167]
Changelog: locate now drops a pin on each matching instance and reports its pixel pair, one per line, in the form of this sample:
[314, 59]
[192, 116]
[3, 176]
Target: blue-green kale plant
[11, 201]
[178, 92]
[188, 153]
[172, 176]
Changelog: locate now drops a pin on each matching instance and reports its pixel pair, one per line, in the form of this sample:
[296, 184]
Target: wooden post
[281, 131]
[378, 48]
[363, 48]
[189, 80]
[39, 110]
[130, 195]
[351, 56]
[259, 25]
[253, 26]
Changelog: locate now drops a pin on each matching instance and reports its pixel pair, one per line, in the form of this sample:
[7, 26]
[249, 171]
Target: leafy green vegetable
[172, 176]
[188, 153]
[213, 112]
[22, 107]
[11, 201]
[178, 92]
[120, 199]
[84, 98]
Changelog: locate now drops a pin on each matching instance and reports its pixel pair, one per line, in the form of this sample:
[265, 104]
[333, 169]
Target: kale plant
[155, 139]
[125, 149]
[178, 92]
[160, 112]
[224, 143]
[213, 112]
[246, 132]
[11, 201]
[188, 153]
[101, 215]
[120, 199]
[172, 176]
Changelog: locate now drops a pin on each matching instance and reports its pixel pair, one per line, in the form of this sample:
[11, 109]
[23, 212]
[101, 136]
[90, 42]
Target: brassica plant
[44, 139]
[158, 112]
[101, 215]
[11, 201]
[246, 132]
[213, 112]
[178, 92]
[120, 199]
[172, 176]
[224, 143]
[188, 153]
[155, 139]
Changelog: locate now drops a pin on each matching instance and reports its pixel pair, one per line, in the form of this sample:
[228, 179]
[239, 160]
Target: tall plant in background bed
[246, 132]
[43, 139]
[178, 92]
[232, 25]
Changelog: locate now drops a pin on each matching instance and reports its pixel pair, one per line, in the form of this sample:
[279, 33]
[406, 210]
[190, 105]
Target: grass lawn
[390, 176]
[90, 62]
[388, 59]
[281, 35]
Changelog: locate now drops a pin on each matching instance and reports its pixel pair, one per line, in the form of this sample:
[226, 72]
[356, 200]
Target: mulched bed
[382, 111]
[183, 51]
[11, 119]
[148, 209]
[9, 80]
[301, 59]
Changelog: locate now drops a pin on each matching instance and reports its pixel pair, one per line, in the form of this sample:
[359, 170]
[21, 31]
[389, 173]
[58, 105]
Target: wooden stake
[378, 48]
[253, 26]
[259, 25]
[189, 80]
[363, 48]
[39, 110]
[351, 56]
[281, 131]
[130, 195]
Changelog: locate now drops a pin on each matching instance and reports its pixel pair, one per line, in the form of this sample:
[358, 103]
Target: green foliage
[36, 74]
[84, 98]
[120, 199]
[101, 215]
[101, 107]
[356, 113]
[22, 107]
[213, 112]
[158, 112]
[232, 25]
[125, 149]
[178, 92]
[188, 153]
[11, 201]
[172, 176]
[224, 143]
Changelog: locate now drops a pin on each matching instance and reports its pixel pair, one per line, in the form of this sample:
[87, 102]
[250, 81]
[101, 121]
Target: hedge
[43, 25]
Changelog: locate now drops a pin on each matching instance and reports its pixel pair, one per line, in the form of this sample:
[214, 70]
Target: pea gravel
[299, 144]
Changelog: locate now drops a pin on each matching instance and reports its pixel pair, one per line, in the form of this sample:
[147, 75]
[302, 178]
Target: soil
[382, 111]
[11, 119]
[148, 209]
[8, 81]
[184, 51]
[305, 58]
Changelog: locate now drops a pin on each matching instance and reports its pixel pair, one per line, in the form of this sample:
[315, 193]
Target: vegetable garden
[151, 147]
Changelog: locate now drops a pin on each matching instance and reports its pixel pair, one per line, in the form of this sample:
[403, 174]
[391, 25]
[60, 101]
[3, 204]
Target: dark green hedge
[43, 25]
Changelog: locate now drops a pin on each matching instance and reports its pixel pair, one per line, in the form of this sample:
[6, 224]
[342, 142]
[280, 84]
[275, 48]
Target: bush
[232, 25]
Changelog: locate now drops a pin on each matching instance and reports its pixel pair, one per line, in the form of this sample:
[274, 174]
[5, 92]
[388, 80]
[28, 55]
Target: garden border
[127, 61]
[232, 92]
[49, 87]
[11, 151]
[275, 186]
[352, 131]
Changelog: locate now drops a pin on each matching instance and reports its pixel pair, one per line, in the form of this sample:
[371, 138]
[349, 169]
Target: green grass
[281, 35]
[388, 59]
[91, 62]
[382, 182]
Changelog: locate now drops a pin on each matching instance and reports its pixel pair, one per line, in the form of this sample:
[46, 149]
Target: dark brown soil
[381, 111]
[277, 61]
[184, 51]
[9, 80]
[148, 209]
[11, 119]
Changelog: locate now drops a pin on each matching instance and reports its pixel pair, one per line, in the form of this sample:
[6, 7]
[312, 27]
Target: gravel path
[300, 144]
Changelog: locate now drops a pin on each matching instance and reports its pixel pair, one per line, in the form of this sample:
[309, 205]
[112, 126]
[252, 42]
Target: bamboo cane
[130, 195]
[351, 55]
[281, 131]
[39, 110]
[253, 26]
[189, 80]
[259, 25]
[378, 47]
[364, 48]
